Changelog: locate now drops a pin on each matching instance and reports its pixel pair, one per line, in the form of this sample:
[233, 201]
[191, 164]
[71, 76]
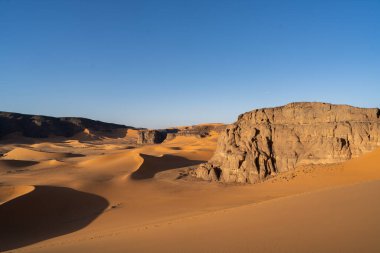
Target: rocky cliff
[161, 135]
[151, 136]
[267, 141]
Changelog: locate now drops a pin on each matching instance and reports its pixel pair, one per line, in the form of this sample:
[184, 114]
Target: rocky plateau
[268, 141]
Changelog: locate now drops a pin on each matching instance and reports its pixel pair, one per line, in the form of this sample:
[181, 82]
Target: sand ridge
[33, 155]
[8, 193]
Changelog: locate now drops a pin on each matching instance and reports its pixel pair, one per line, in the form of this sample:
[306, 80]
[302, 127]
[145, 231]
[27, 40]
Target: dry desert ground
[115, 196]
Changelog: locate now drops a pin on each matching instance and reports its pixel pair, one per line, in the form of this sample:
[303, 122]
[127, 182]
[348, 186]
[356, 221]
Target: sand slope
[46, 212]
[336, 220]
[153, 209]
[8, 193]
[33, 155]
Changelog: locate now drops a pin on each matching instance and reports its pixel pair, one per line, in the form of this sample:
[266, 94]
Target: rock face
[36, 126]
[151, 136]
[160, 135]
[199, 131]
[267, 141]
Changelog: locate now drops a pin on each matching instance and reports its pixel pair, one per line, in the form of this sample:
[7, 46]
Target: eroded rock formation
[160, 135]
[267, 141]
[151, 136]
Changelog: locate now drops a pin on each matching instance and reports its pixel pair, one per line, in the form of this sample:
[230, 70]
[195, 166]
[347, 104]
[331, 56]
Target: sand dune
[154, 208]
[33, 155]
[335, 220]
[153, 165]
[8, 193]
[46, 212]
[131, 133]
[46, 145]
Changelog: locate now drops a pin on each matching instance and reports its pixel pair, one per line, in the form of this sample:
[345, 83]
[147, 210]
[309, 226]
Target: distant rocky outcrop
[267, 141]
[151, 136]
[36, 126]
[199, 131]
[160, 135]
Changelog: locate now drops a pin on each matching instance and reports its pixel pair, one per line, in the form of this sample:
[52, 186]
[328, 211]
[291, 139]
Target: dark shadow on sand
[72, 155]
[45, 213]
[153, 165]
[17, 163]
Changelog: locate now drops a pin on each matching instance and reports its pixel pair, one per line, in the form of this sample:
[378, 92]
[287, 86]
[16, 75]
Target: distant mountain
[37, 126]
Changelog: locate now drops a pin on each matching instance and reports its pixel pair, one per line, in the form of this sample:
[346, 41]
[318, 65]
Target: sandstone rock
[160, 135]
[151, 136]
[267, 141]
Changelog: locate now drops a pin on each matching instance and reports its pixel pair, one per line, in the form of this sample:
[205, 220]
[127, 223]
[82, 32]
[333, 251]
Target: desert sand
[111, 196]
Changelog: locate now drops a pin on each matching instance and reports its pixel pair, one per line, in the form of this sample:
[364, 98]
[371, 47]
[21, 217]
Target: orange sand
[330, 208]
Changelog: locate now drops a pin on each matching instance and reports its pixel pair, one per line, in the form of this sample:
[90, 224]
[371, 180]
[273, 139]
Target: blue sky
[167, 63]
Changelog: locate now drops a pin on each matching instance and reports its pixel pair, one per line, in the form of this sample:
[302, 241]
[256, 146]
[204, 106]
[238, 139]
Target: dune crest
[8, 193]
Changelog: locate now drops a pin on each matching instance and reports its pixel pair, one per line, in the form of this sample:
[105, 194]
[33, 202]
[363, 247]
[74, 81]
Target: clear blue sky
[167, 63]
